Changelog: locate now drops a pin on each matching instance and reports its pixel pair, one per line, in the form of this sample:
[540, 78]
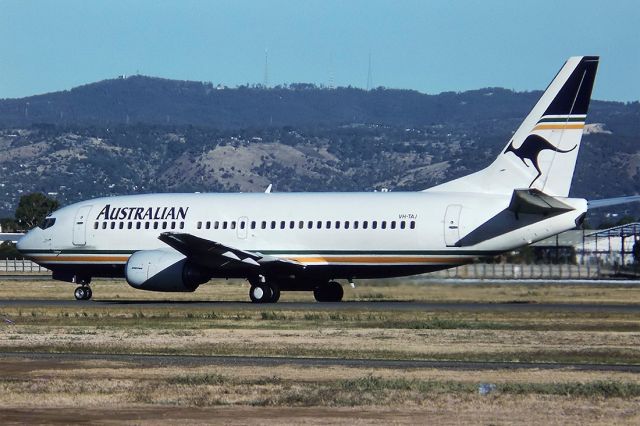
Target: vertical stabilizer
[542, 153]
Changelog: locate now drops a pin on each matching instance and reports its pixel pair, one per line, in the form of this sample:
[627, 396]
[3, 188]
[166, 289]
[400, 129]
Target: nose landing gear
[83, 292]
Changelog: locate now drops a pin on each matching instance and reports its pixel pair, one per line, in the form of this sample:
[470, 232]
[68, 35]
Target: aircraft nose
[23, 243]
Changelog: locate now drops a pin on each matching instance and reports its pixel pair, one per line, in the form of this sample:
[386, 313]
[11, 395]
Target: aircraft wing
[606, 202]
[214, 255]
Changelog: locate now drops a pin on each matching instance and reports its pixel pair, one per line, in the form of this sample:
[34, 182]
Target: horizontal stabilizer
[534, 201]
[606, 202]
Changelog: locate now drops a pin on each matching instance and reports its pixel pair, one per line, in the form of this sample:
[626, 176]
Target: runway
[268, 361]
[399, 306]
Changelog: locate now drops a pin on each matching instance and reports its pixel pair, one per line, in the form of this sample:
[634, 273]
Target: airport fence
[19, 266]
[528, 271]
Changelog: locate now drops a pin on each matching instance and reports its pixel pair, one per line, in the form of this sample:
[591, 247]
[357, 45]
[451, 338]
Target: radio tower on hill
[266, 68]
[369, 74]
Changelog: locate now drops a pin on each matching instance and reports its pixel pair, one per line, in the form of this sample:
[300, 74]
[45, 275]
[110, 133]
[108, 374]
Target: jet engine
[163, 270]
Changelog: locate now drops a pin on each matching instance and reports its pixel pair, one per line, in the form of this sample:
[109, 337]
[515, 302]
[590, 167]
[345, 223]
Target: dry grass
[52, 390]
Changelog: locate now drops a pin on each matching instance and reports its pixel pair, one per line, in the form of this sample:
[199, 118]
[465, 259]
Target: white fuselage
[338, 235]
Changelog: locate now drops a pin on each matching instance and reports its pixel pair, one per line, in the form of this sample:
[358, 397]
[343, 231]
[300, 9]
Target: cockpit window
[48, 222]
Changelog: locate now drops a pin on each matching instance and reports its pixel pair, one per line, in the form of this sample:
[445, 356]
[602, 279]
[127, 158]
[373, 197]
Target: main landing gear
[330, 292]
[264, 292]
[83, 292]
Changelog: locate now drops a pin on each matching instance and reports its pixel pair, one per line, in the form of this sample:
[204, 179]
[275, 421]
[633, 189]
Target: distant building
[606, 246]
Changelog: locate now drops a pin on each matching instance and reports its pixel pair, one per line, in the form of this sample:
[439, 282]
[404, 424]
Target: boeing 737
[307, 241]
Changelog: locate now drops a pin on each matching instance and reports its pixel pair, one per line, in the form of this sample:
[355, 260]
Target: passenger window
[113, 225]
[253, 224]
[282, 224]
[319, 224]
[216, 224]
[346, 224]
[292, 224]
[121, 225]
[233, 224]
[310, 224]
[104, 225]
[130, 225]
[402, 224]
[224, 225]
[207, 225]
[337, 224]
[164, 225]
[181, 225]
[146, 225]
[383, 225]
[393, 224]
[412, 224]
[273, 224]
[374, 224]
[199, 225]
[301, 224]
[173, 225]
[155, 225]
[242, 224]
[328, 224]
[263, 224]
[95, 225]
[355, 224]
[365, 224]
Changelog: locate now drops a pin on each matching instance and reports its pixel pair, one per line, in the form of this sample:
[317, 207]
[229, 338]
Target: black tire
[318, 294]
[329, 292]
[260, 293]
[336, 292]
[275, 294]
[87, 293]
[79, 293]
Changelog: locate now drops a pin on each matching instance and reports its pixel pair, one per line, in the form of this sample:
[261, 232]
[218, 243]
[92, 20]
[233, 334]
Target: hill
[143, 134]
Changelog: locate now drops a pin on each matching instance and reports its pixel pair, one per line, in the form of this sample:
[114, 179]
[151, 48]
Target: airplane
[308, 241]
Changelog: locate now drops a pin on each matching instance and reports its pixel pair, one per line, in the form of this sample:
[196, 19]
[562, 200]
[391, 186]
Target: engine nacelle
[163, 270]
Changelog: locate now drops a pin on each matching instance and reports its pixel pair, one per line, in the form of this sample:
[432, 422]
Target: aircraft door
[241, 229]
[80, 226]
[452, 224]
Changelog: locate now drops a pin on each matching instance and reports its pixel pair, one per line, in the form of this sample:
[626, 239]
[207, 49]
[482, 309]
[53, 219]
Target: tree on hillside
[33, 208]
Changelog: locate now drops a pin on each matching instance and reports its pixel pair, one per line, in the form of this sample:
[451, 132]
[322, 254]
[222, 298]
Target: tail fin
[542, 153]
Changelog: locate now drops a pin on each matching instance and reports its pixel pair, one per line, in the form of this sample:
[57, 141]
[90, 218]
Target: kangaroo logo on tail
[531, 148]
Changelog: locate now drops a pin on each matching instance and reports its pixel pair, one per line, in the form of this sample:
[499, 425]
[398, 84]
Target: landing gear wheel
[82, 293]
[260, 293]
[79, 293]
[275, 293]
[330, 292]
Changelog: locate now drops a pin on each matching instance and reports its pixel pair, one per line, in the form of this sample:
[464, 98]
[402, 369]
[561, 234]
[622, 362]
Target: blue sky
[430, 46]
